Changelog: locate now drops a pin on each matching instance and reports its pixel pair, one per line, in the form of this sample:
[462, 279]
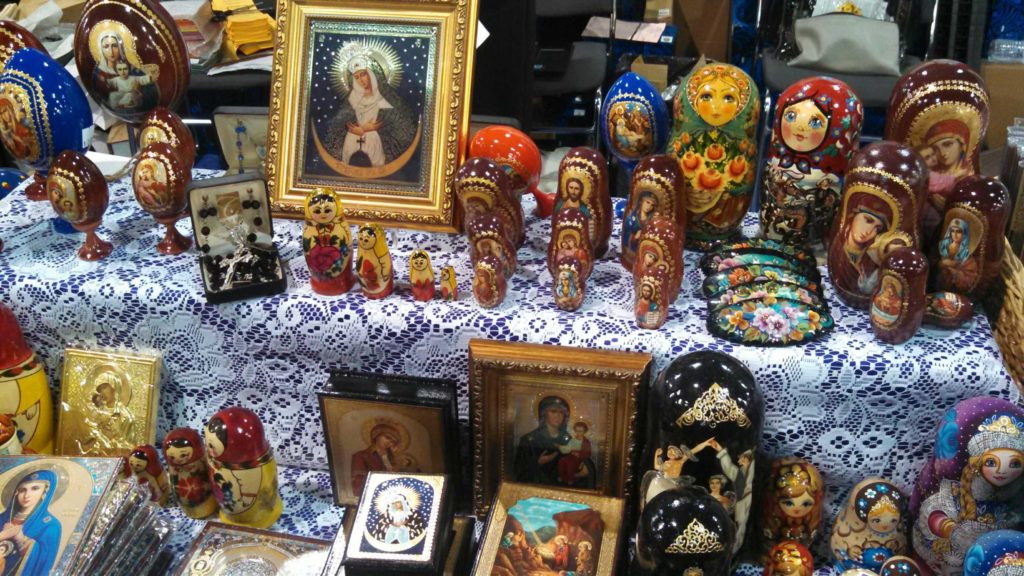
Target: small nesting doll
[569, 238]
[872, 527]
[190, 478]
[884, 189]
[10, 443]
[449, 284]
[716, 113]
[145, 464]
[327, 244]
[488, 236]
[897, 308]
[489, 284]
[940, 109]
[657, 187]
[998, 553]
[23, 386]
[78, 193]
[243, 472]
[481, 187]
[373, 262]
[650, 298]
[710, 416]
[421, 276]
[972, 484]
[684, 531]
[968, 257]
[793, 504]
[570, 283]
[789, 558]
[661, 246]
[816, 131]
[583, 185]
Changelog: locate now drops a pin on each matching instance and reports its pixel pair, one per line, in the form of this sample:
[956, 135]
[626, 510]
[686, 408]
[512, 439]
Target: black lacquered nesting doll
[684, 531]
[583, 184]
[707, 413]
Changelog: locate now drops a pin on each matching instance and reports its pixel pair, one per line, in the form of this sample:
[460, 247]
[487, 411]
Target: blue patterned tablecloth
[851, 404]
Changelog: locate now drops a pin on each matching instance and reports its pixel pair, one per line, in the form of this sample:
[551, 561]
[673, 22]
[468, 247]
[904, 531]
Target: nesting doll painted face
[634, 120]
[146, 467]
[711, 414]
[684, 531]
[570, 283]
[940, 109]
[789, 558]
[716, 114]
[243, 470]
[569, 239]
[583, 184]
[793, 504]
[969, 252]
[327, 243]
[374, 266]
[661, 246]
[189, 476]
[998, 553]
[972, 484]
[816, 131]
[657, 187]
[880, 210]
[78, 193]
[489, 284]
[871, 528]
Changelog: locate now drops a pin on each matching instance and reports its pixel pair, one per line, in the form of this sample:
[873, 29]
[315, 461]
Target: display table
[849, 403]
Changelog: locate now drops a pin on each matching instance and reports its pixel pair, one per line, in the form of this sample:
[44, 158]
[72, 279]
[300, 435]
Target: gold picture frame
[108, 402]
[594, 397]
[392, 150]
[526, 512]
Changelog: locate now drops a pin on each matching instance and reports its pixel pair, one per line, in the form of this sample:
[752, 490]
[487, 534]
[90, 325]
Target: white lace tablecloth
[851, 404]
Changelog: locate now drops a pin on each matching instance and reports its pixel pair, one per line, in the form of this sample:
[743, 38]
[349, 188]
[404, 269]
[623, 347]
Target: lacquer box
[403, 526]
[242, 133]
[234, 234]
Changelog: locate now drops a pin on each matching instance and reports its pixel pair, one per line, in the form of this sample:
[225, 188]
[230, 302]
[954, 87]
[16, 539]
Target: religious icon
[684, 531]
[159, 181]
[489, 284]
[327, 244]
[551, 455]
[24, 391]
[583, 184]
[147, 469]
[570, 239]
[793, 502]
[897, 308]
[651, 292]
[189, 475]
[223, 550]
[947, 310]
[970, 249]
[888, 302]
[482, 187]
[373, 262]
[661, 246]
[657, 187]
[570, 283]
[716, 115]
[872, 527]
[421, 276]
[816, 131]
[386, 451]
[78, 193]
[449, 284]
[162, 125]
[634, 121]
[489, 236]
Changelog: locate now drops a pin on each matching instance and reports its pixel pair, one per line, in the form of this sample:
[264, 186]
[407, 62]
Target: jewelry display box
[234, 234]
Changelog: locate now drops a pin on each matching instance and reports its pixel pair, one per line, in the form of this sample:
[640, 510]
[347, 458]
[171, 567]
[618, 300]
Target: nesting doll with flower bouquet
[190, 478]
[816, 131]
[327, 244]
[715, 122]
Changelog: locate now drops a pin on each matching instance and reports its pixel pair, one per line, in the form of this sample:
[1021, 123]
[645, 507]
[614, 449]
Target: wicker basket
[1008, 310]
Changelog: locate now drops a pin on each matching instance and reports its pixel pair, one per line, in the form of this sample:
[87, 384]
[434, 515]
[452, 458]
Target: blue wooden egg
[43, 110]
[634, 119]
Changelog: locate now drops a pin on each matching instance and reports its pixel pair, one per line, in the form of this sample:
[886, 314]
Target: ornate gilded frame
[445, 115]
[492, 365]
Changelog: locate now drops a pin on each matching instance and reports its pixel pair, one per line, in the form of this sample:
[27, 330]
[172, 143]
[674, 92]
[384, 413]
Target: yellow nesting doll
[24, 391]
[421, 276]
[243, 472]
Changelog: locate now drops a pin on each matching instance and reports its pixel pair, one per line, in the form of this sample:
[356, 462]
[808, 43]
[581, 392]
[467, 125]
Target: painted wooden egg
[634, 119]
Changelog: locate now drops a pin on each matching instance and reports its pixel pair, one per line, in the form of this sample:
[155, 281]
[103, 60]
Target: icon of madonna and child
[558, 452]
[125, 83]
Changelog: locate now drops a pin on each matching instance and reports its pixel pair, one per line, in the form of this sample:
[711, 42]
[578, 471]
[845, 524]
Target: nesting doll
[327, 244]
[972, 483]
[449, 284]
[482, 186]
[900, 566]
[716, 112]
[710, 415]
[940, 109]
[657, 187]
[243, 472]
[421, 276]
[489, 236]
[634, 121]
[968, 257]
[190, 478]
[583, 185]
[147, 469]
[816, 131]
[373, 262]
[10, 442]
[793, 503]
[998, 553]
[24, 391]
[684, 531]
[882, 195]
[897, 308]
[650, 298]
[871, 527]
[789, 558]
[569, 238]
[661, 246]
[78, 193]
[489, 284]
[570, 283]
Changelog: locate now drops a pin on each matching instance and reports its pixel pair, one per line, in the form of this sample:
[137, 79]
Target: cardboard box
[1004, 80]
[703, 28]
[658, 11]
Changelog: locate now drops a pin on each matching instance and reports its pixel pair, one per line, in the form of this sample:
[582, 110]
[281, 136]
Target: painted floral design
[770, 292]
[716, 284]
[769, 322]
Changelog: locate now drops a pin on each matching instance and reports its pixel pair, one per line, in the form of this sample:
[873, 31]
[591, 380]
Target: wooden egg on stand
[159, 181]
[78, 193]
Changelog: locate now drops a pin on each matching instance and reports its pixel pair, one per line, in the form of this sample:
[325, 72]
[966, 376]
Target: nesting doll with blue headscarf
[716, 113]
[872, 527]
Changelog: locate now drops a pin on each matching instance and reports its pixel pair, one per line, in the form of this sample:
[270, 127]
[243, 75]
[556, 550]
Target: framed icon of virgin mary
[374, 103]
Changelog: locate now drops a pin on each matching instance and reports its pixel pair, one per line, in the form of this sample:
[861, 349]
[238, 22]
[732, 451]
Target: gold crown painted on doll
[714, 407]
[576, 224]
[695, 539]
[884, 504]
[792, 475]
[1002, 431]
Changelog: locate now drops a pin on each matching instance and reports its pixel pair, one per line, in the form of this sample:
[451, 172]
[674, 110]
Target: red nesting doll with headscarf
[190, 478]
[816, 132]
[243, 472]
[147, 469]
[24, 391]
